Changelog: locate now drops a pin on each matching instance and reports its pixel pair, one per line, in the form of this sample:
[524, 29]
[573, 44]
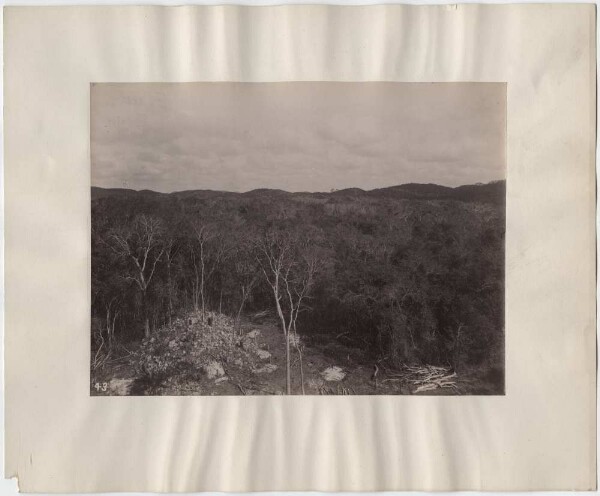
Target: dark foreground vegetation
[392, 282]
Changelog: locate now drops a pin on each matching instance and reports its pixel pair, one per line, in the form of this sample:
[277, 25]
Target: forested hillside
[407, 276]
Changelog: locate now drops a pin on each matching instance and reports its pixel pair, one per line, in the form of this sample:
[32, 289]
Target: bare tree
[141, 244]
[289, 267]
[246, 273]
[102, 354]
[209, 251]
[299, 345]
[298, 283]
[171, 250]
[112, 312]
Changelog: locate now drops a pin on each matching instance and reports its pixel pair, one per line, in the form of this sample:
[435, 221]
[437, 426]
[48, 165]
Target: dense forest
[407, 276]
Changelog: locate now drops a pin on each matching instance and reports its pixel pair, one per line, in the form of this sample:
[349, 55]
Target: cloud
[296, 136]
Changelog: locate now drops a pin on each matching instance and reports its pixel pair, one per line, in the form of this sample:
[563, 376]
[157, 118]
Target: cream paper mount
[540, 435]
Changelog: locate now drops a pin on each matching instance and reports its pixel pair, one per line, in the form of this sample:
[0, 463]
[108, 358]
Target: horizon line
[493, 181]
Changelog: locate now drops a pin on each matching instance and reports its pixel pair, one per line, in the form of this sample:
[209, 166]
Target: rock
[248, 344]
[120, 387]
[213, 369]
[239, 362]
[172, 343]
[221, 379]
[253, 334]
[263, 354]
[334, 373]
[267, 369]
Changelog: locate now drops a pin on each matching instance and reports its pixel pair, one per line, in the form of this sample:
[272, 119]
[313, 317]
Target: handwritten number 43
[101, 387]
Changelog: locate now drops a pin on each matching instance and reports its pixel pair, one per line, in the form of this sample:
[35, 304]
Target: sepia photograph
[306, 238]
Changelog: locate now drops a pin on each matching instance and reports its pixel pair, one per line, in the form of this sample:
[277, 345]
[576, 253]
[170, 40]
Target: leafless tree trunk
[141, 244]
[239, 312]
[195, 283]
[456, 351]
[170, 252]
[146, 315]
[289, 269]
[247, 274]
[111, 316]
[298, 346]
[241, 307]
[288, 371]
[202, 278]
[213, 251]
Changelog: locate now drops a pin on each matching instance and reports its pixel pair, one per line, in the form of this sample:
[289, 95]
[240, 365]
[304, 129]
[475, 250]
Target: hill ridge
[421, 188]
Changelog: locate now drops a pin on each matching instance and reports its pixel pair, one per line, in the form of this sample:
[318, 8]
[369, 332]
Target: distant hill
[493, 192]
[120, 192]
[266, 192]
[496, 190]
[414, 190]
[199, 193]
[348, 192]
[106, 192]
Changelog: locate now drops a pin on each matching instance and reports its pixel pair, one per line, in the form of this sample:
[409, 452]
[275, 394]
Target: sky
[313, 136]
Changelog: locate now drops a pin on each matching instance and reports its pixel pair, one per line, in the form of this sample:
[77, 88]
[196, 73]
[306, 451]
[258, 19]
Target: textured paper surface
[541, 435]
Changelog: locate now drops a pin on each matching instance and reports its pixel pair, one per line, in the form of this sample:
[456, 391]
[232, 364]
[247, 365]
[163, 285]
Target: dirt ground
[120, 376]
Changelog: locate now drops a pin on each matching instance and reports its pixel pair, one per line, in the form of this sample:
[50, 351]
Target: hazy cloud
[296, 136]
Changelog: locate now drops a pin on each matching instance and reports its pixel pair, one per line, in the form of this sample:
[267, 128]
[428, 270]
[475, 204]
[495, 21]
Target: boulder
[334, 373]
[248, 344]
[263, 354]
[213, 369]
[120, 387]
[267, 369]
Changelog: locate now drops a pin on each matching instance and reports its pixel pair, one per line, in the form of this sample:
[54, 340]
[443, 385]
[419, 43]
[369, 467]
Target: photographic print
[308, 238]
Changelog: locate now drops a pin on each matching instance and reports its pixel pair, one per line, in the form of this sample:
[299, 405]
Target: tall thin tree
[141, 244]
[289, 269]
